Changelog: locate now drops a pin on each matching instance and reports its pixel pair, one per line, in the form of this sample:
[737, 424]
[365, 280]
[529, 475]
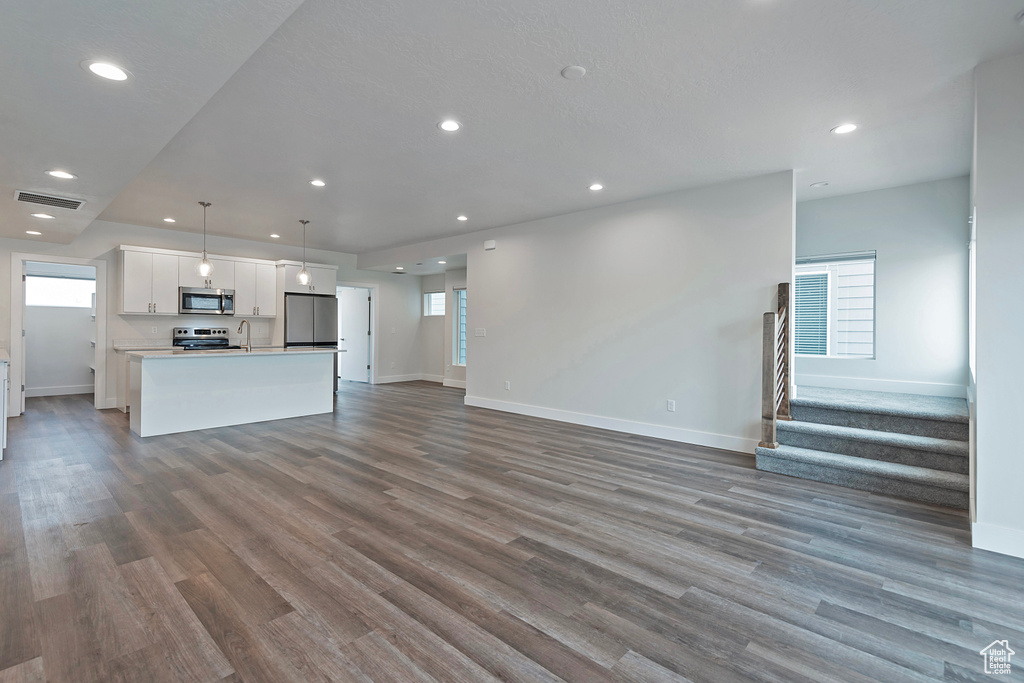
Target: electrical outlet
[508, 385]
[481, 332]
[392, 365]
[670, 406]
[153, 330]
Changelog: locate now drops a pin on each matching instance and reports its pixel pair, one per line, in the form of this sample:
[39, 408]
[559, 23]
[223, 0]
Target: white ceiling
[678, 94]
[56, 115]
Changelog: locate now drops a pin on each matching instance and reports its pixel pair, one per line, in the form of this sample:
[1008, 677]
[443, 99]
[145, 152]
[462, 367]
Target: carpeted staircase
[902, 445]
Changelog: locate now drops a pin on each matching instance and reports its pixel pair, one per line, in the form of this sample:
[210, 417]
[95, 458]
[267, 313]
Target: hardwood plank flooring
[407, 537]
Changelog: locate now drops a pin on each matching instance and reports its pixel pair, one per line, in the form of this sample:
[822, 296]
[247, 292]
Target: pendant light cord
[304, 243]
[204, 205]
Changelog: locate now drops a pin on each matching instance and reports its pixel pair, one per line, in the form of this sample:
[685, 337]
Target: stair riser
[864, 482]
[873, 451]
[882, 423]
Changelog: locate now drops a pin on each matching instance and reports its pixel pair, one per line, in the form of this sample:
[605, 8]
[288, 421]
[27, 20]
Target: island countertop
[262, 351]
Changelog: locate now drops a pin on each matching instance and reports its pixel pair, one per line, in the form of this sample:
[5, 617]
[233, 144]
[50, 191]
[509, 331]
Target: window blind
[811, 314]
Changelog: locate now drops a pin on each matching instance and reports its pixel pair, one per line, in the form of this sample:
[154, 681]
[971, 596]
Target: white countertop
[260, 351]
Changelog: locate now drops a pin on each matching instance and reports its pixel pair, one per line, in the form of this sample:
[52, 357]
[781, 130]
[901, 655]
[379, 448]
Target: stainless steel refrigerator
[312, 320]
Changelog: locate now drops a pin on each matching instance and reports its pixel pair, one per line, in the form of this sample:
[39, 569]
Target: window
[834, 306]
[59, 291]
[433, 303]
[459, 336]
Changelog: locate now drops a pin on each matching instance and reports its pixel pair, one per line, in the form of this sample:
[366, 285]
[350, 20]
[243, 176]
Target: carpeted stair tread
[883, 403]
[895, 439]
[885, 470]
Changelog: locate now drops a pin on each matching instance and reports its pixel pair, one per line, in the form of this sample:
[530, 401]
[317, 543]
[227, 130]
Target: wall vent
[48, 200]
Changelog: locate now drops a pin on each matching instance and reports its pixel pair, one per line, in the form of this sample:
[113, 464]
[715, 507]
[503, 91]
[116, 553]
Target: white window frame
[827, 263]
[456, 327]
[427, 309]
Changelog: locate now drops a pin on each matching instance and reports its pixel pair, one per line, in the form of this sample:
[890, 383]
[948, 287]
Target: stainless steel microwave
[193, 300]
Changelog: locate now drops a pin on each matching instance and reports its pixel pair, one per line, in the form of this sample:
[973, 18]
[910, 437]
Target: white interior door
[353, 335]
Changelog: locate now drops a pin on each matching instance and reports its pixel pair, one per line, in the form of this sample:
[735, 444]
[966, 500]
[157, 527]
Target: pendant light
[205, 268]
[303, 277]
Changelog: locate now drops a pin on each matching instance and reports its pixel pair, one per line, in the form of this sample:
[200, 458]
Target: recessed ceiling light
[42, 215]
[107, 70]
[63, 175]
[596, 187]
[449, 125]
[574, 73]
[820, 183]
[169, 220]
[275, 236]
[316, 182]
[399, 268]
[442, 262]
[845, 128]
[33, 232]
[461, 218]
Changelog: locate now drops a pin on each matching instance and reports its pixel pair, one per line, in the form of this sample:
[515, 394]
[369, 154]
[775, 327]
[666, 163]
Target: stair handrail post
[769, 369]
[785, 336]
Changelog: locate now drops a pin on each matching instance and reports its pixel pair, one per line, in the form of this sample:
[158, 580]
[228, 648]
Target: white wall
[600, 316]
[920, 234]
[998, 181]
[397, 312]
[58, 350]
[454, 375]
[432, 333]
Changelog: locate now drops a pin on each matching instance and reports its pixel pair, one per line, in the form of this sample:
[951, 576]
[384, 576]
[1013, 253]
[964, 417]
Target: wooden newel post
[769, 370]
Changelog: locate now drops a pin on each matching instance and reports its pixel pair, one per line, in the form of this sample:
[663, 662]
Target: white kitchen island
[182, 391]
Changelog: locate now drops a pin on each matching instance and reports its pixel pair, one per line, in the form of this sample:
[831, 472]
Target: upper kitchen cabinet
[222, 277]
[149, 282]
[255, 289]
[323, 279]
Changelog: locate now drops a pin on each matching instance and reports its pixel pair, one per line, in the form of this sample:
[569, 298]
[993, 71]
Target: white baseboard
[389, 379]
[59, 391]
[455, 383]
[723, 441]
[889, 385]
[998, 539]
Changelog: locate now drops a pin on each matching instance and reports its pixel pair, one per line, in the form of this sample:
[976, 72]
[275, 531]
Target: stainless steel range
[202, 338]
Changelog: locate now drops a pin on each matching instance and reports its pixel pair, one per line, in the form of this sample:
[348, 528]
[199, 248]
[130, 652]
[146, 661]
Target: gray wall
[920, 233]
[432, 334]
[599, 317]
[58, 352]
[998, 190]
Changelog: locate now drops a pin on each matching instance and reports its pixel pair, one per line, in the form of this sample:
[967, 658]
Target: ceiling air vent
[48, 200]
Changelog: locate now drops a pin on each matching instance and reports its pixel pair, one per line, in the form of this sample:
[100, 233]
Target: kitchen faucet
[248, 334]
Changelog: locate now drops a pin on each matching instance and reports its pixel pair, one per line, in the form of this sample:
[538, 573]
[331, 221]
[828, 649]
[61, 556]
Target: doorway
[355, 331]
[60, 329]
[19, 276]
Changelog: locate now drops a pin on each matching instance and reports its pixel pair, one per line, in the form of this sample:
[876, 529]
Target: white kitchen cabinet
[255, 289]
[149, 283]
[222, 277]
[137, 282]
[325, 280]
[165, 284]
[322, 280]
[245, 289]
[266, 290]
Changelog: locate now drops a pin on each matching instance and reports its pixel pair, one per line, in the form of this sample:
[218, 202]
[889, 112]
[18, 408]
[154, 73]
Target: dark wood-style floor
[408, 538]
